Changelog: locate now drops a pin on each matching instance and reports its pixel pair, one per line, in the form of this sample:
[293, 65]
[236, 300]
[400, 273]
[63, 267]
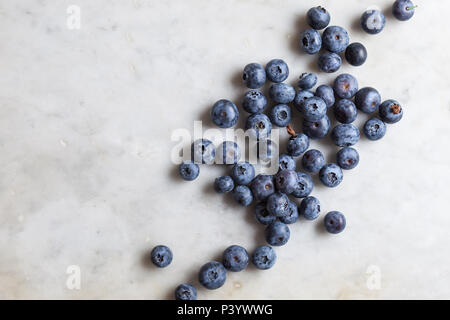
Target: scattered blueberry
[292, 215]
[313, 160]
[403, 9]
[356, 54]
[212, 275]
[278, 204]
[189, 171]
[326, 93]
[304, 186]
[223, 184]
[310, 41]
[331, 175]
[345, 111]
[185, 292]
[329, 62]
[345, 135]
[243, 195]
[224, 114]
[263, 215]
[243, 173]
[228, 153]
[297, 145]
[391, 111]
[277, 233]
[317, 129]
[335, 39]
[280, 115]
[310, 208]
[367, 100]
[282, 93]
[314, 109]
[374, 129]
[264, 257]
[301, 97]
[345, 86]
[254, 75]
[334, 222]
[277, 70]
[259, 125]
[203, 151]
[373, 21]
[235, 258]
[254, 101]
[318, 18]
[347, 158]
[286, 162]
[286, 181]
[262, 186]
[161, 256]
[307, 81]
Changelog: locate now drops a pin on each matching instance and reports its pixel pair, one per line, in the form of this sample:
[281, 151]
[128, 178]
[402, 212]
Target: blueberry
[356, 54]
[282, 93]
[254, 101]
[345, 111]
[317, 129]
[224, 114]
[373, 21]
[326, 93]
[189, 171]
[266, 149]
[310, 208]
[304, 186]
[286, 181]
[203, 151]
[310, 41]
[223, 184]
[301, 97]
[263, 215]
[277, 70]
[286, 162]
[264, 257]
[367, 100]
[292, 215]
[277, 233]
[212, 275]
[235, 258]
[161, 256]
[334, 222]
[243, 195]
[313, 160]
[345, 135]
[374, 129]
[329, 62]
[254, 75]
[403, 9]
[335, 39]
[347, 158]
[259, 125]
[331, 175]
[228, 153]
[278, 204]
[345, 86]
[391, 111]
[314, 109]
[243, 173]
[297, 145]
[185, 292]
[307, 81]
[262, 186]
[280, 115]
[318, 18]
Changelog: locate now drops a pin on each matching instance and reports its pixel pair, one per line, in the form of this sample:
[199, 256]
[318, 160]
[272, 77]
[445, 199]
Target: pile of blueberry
[273, 194]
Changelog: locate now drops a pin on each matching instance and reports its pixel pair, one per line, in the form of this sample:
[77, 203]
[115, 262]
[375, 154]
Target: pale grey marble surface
[86, 118]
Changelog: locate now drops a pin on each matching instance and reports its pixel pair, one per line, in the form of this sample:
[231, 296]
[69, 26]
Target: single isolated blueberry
[335, 39]
[262, 186]
[263, 215]
[313, 160]
[307, 81]
[243, 173]
[292, 215]
[278, 204]
[266, 149]
[235, 258]
[345, 135]
[304, 186]
[228, 153]
[277, 234]
[314, 109]
[301, 97]
[347, 158]
[318, 18]
[345, 111]
[277, 70]
[345, 86]
[373, 21]
[185, 291]
[286, 181]
[356, 54]
[212, 275]
[287, 162]
[326, 93]
[334, 222]
[317, 129]
[243, 195]
[203, 151]
[189, 171]
[374, 129]
[280, 115]
[297, 145]
[331, 175]
[282, 93]
[329, 62]
[310, 208]
[259, 125]
[310, 41]
[391, 111]
[254, 101]
[367, 100]
[161, 256]
[223, 184]
[254, 76]
[264, 257]
[224, 114]
[403, 9]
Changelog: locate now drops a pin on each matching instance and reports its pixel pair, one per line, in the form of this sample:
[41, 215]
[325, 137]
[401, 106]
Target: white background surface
[86, 118]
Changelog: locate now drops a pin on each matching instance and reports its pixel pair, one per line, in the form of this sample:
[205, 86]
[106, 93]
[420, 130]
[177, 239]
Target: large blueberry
[347, 158]
[277, 233]
[185, 291]
[278, 204]
[326, 93]
[310, 208]
[235, 258]
[292, 215]
[243, 195]
[280, 115]
[264, 257]
[286, 162]
[263, 215]
[335, 39]
[345, 111]
[224, 114]
[317, 129]
[277, 70]
[310, 41]
[259, 126]
[228, 153]
[356, 54]
[373, 21]
[254, 101]
[161, 256]
[282, 93]
[391, 111]
[301, 97]
[367, 100]
[345, 135]
[262, 186]
[329, 62]
[334, 222]
[223, 184]
[203, 151]
[212, 275]
[403, 9]
[331, 175]
[345, 86]
[243, 173]
[189, 171]
[286, 181]
[314, 109]
[313, 160]
[307, 81]
[374, 129]
[254, 75]
[304, 186]
[318, 17]
[297, 145]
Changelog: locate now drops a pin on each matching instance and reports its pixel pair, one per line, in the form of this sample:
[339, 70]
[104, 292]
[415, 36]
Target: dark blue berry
[277, 233]
[367, 100]
[189, 171]
[403, 9]
[280, 115]
[356, 54]
[310, 208]
[286, 162]
[374, 129]
[373, 21]
[334, 222]
[345, 135]
[335, 39]
[331, 175]
[212, 275]
[286, 181]
[345, 111]
[310, 41]
[224, 114]
[282, 93]
[347, 158]
[329, 62]
[307, 81]
[318, 18]
[304, 186]
[297, 145]
[391, 111]
[345, 86]
[203, 151]
[313, 109]
[223, 184]
[243, 173]
[326, 93]
[262, 186]
[243, 195]
[235, 258]
[277, 70]
[263, 215]
[317, 129]
[254, 101]
[264, 257]
[254, 75]
[259, 126]
[185, 292]
[313, 160]
[292, 215]
[161, 256]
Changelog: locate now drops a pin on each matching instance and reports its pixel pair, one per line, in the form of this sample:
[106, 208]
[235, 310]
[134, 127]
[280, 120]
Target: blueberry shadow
[300, 25]
[355, 25]
[320, 228]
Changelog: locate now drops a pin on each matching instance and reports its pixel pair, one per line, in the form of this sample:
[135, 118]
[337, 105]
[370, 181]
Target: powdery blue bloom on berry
[345, 135]
[318, 18]
[264, 257]
[326, 93]
[243, 173]
[304, 186]
[223, 184]
[391, 111]
[212, 275]
[286, 162]
[203, 151]
[263, 215]
[235, 258]
[161, 256]
[185, 292]
[345, 86]
[403, 9]
[310, 208]
[329, 62]
[224, 114]
[280, 115]
[307, 81]
[292, 215]
[347, 158]
[313, 160]
[331, 175]
[335, 39]
[277, 204]
[374, 129]
[262, 186]
[313, 109]
[286, 181]
[297, 145]
[356, 54]
[345, 111]
[317, 129]
[310, 41]
[277, 233]
[254, 101]
[282, 93]
[334, 222]
[373, 21]
[254, 75]
[277, 70]
[189, 171]
[367, 100]
[259, 126]
[301, 97]
[243, 195]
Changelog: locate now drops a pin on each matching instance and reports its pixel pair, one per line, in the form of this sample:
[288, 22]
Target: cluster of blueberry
[274, 208]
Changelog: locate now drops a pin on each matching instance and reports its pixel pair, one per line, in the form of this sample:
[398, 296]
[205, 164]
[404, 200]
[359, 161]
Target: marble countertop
[87, 186]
